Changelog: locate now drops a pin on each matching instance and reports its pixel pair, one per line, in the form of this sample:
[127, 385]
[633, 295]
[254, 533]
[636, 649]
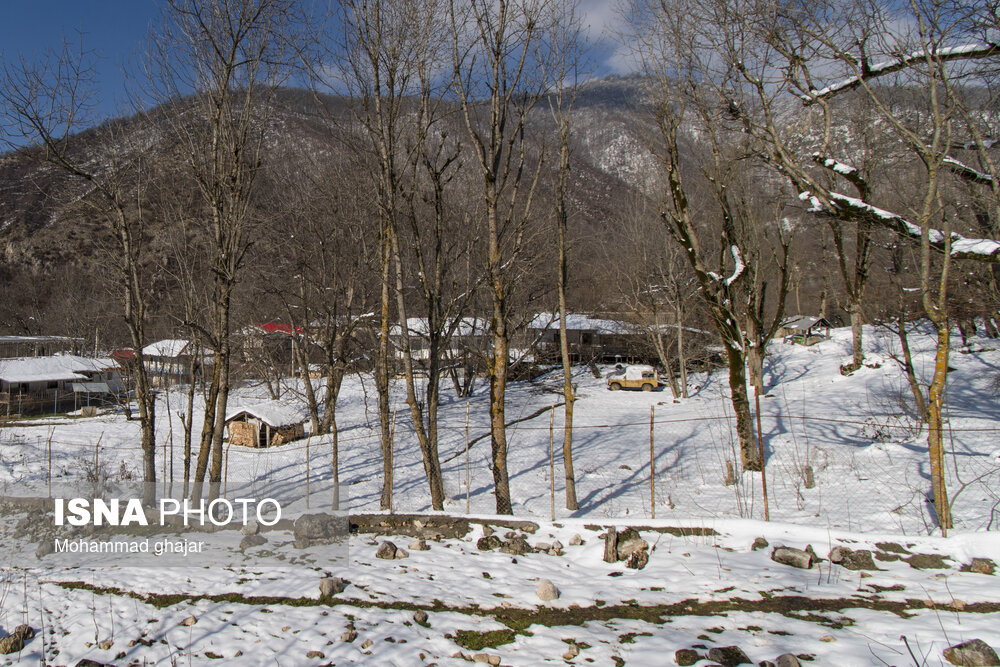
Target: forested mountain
[49, 230]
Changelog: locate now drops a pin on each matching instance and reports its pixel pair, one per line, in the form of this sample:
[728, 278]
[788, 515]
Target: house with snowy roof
[590, 339]
[12, 347]
[30, 385]
[265, 424]
[175, 360]
[469, 334]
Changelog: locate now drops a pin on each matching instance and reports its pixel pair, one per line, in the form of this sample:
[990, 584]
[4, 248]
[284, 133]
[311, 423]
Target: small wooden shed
[806, 326]
[264, 425]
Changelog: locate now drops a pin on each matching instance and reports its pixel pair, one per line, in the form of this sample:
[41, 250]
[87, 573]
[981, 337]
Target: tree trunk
[147, 421]
[498, 427]
[219, 428]
[432, 467]
[335, 462]
[568, 397]
[382, 376]
[187, 420]
[302, 361]
[207, 426]
[909, 371]
[749, 453]
[681, 357]
[935, 436]
[857, 340]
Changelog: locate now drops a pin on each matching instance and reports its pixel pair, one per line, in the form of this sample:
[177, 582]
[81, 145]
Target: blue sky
[116, 30]
[113, 29]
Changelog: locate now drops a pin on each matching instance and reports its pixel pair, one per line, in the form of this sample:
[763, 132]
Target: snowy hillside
[846, 466]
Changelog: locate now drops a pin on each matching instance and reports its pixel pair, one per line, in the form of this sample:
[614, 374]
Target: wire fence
[866, 474]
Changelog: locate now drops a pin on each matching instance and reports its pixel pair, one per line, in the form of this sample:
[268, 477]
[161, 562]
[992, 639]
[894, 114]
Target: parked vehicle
[634, 377]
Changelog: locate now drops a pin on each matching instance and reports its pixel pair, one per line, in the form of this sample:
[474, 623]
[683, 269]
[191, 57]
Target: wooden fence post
[552, 465]
[468, 477]
[307, 469]
[652, 468]
[392, 460]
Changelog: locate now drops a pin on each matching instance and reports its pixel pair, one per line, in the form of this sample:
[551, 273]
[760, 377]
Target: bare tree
[219, 63]
[391, 52]
[713, 176]
[567, 47]
[500, 76]
[658, 287]
[910, 62]
[45, 103]
[324, 282]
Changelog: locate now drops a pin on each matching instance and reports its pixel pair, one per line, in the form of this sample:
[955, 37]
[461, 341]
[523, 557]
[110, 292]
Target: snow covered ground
[702, 588]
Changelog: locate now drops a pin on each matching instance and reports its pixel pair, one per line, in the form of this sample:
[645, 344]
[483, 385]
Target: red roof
[279, 327]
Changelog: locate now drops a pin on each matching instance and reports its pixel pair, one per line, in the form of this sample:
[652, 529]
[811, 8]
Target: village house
[12, 347]
[590, 339]
[170, 361]
[269, 346]
[471, 335]
[59, 383]
[264, 425]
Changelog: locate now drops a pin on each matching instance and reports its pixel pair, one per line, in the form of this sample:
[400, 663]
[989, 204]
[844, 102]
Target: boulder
[978, 565]
[45, 547]
[329, 586]
[787, 660]
[686, 656]
[386, 551]
[310, 529]
[419, 545]
[638, 560]
[250, 541]
[858, 560]
[15, 641]
[794, 557]
[546, 591]
[837, 554]
[759, 543]
[576, 540]
[516, 546]
[401, 553]
[728, 656]
[974, 653]
[420, 617]
[489, 543]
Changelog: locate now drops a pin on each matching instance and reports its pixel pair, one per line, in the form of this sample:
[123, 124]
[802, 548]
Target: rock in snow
[386, 551]
[331, 586]
[547, 591]
[794, 557]
[974, 653]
